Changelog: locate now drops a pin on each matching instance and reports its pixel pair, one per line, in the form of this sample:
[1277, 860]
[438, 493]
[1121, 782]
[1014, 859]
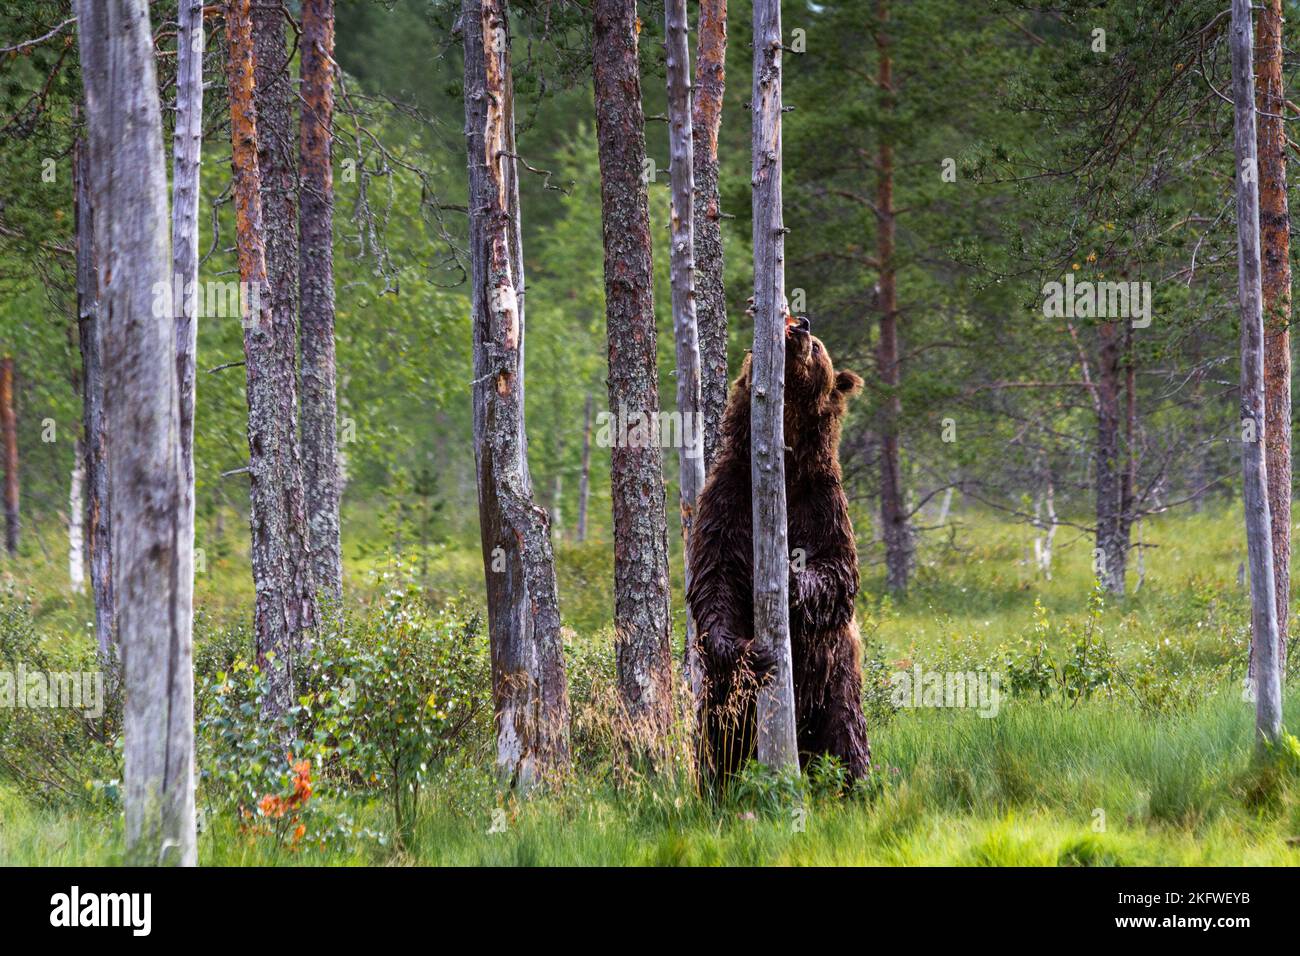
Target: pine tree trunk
[285, 609]
[320, 459]
[1264, 645]
[641, 612]
[584, 480]
[530, 692]
[1111, 552]
[682, 272]
[893, 507]
[9, 432]
[99, 520]
[129, 186]
[1275, 249]
[777, 746]
[711, 296]
[187, 145]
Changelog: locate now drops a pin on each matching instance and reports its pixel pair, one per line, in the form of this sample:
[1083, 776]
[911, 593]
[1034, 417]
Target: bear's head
[813, 388]
[816, 398]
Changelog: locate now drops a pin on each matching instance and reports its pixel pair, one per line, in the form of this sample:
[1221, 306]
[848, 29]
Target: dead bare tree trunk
[138, 343]
[92, 415]
[893, 505]
[530, 691]
[777, 745]
[285, 611]
[320, 459]
[584, 480]
[685, 328]
[187, 144]
[711, 296]
[641, 613]
[1275, 251]
[9, 431]
[1263, 596]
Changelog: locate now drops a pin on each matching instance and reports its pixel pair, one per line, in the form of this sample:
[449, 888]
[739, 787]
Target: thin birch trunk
[584, 480]
[641, 597]
[76, 521]
[1263, 596]
[99, 519]
[777, 747]
[530, 692]
[187, 145]
[285, 609]
[682, 276]
[711, 296]
[1275, 261]
[138, 344]
[320, 458]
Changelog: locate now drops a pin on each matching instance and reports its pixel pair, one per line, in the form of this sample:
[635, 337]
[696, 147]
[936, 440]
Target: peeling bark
[641, 597]
[777, 745]
[137, 346]
[320, 460]
[529, 688]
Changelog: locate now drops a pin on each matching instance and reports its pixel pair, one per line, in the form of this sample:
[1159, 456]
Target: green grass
[1101, 781]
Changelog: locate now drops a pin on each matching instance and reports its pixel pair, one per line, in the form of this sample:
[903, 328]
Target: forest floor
[1120, 734]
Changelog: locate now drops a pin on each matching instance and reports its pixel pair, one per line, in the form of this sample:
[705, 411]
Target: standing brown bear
[823, 577]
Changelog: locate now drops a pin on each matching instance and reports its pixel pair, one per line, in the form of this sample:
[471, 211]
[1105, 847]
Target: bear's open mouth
[797, 325]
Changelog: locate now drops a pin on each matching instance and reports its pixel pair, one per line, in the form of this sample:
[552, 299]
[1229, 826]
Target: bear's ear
[850, 383]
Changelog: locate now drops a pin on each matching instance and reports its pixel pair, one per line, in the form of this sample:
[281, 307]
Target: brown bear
[823, 578]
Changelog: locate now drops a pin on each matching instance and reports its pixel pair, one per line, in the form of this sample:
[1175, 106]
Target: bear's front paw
[760, 661]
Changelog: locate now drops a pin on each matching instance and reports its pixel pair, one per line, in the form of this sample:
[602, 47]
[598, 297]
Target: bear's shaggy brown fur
[823, 635]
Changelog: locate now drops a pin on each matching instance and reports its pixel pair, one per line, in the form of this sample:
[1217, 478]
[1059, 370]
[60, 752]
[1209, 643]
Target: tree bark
[893, 505]
[99, 519]
[711, 297]
[584, 480]
[9, 432]
[530, 691]
[777, 745]
[1275, 249]
[137, 342]
[320, 458]
[187, 145]
[76, 521]
[641, 612]
[1111, 552]
[1263, 596]
[285, 609]
[682, 275]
